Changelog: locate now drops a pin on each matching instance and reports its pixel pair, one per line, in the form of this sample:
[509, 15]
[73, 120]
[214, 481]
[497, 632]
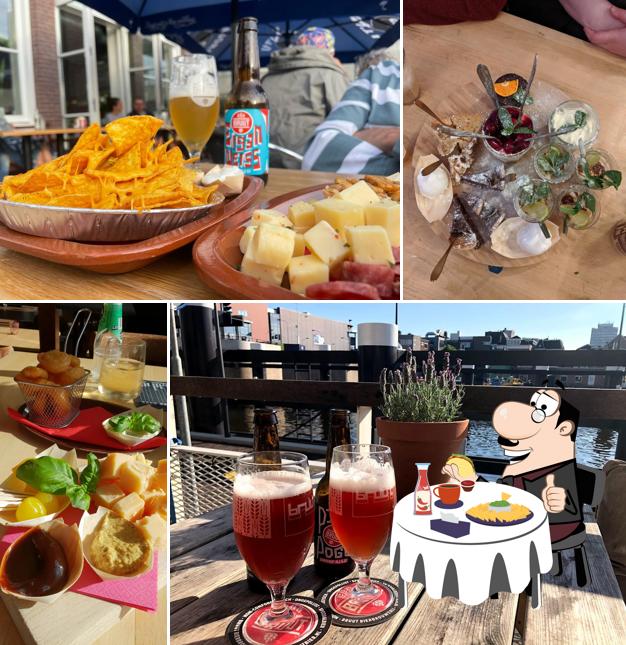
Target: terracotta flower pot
[412, 442]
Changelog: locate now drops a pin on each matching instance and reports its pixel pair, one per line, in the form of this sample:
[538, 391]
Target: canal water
[594, 447]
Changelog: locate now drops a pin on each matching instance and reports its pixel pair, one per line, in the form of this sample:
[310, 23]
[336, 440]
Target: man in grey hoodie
[303, 83]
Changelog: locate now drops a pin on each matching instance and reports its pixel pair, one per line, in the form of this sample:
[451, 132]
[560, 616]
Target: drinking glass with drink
[273, 522]
[194, 101]
[362, 499]
[122, 368]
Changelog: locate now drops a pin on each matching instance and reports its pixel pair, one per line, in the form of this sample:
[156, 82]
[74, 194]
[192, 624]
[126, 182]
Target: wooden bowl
[216, 254]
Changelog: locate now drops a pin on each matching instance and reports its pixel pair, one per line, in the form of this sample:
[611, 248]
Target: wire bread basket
[53, 406]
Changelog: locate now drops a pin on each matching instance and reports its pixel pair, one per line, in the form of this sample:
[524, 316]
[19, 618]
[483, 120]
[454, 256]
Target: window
[16, 74]
[72, 53]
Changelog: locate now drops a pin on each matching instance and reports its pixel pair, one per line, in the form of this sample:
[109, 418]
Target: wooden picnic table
[26, 134]
[444, 59]
[208, 588]
[73, 618]
[171, 277]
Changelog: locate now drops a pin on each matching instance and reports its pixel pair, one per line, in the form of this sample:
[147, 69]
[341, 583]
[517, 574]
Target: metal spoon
[564, 130]
[485, 78]
[436, 272]
[422, 106]
[531, 78]
[427, 170]
[465, 134]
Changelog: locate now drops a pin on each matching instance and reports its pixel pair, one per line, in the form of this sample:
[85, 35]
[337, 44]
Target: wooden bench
[208, 589]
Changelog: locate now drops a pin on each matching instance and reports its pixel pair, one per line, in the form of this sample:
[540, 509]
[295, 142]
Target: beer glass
[194, 100]
[362, 499]
[273, 524]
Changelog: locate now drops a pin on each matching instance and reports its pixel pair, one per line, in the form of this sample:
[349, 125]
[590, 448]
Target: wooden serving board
[216, 254]
[472, 98]
[122, 258]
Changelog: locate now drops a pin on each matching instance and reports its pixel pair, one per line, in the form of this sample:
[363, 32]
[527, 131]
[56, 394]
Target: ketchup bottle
[423, 496]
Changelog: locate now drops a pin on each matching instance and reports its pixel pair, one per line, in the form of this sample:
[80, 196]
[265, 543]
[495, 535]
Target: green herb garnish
[533, 193]
[508, 127]
[553, 161]
[602, 180]
[136, 424]
[519, 96]
[584, 202]
[57, 477]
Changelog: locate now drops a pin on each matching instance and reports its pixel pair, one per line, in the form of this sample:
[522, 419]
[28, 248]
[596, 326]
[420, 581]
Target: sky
[571, 322]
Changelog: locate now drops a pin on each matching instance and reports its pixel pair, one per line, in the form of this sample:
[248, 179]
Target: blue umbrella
[204, 25]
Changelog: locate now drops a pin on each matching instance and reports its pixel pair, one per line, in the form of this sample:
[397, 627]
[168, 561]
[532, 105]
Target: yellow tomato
[53, 503]
[29, 509]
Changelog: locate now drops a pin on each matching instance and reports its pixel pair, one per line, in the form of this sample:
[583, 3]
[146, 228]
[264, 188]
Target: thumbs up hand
[553, 496]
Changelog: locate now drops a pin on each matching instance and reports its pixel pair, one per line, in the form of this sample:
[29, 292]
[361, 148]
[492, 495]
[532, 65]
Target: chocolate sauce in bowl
[35, 565]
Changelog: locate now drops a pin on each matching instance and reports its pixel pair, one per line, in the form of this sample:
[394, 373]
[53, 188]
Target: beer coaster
[308, 621]
[347, 613]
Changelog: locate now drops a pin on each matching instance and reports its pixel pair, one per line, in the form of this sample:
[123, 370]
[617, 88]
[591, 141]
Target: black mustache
[503, 441]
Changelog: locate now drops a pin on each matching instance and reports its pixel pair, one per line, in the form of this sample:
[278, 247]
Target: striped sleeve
[373, 100]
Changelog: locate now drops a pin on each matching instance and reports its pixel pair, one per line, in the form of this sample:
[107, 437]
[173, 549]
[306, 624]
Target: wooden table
[444, 59]
[74, 618]
[208, 588]
[26, 134]
[172, 277]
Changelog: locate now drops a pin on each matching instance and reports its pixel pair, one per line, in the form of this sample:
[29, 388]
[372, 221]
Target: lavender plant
[427, 396]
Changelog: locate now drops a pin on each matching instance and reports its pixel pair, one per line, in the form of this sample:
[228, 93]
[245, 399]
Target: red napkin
[87, 428]
[141, 592]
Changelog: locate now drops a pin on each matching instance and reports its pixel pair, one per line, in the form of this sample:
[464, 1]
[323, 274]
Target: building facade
[60, 60]
[603, 334]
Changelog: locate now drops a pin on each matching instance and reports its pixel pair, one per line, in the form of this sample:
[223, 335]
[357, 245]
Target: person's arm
[613, 40]
[596, 15]
[447, 12]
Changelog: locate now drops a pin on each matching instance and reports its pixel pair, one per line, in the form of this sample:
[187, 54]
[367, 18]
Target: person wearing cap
[303, 83]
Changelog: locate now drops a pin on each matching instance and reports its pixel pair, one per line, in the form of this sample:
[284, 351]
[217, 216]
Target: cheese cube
[155, 502]
[272, 246]
[270, 216]
[158, 481]
[260, 271]
[305, 271]
[370, 245]
[154, 529]
[108, 494]
[129, 507]
[133, 476]
[326, 243]
[112, 463]
[339, 214]
[385, 213]
[246, 238]
[360, 193]
[299, 245]
[302, 215]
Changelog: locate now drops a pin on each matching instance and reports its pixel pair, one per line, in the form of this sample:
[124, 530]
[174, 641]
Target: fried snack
[118, 168]
[51, 402]
[382, 186]
[32, 374]
[69, 376]
[54, 361]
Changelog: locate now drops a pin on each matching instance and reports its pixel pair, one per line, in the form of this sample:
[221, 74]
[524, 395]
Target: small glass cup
[123, 363]
[529, 217]
[574, 221]
[593, 156]
[568, 169]
[490, 126]
[590, 130]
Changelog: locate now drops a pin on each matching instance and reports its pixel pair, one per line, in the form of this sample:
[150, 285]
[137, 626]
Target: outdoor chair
[590, 484]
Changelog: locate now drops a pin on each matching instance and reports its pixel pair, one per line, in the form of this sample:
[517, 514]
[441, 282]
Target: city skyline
[570, 322]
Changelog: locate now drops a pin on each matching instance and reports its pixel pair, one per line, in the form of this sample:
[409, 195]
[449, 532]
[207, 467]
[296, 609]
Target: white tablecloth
[487, 560]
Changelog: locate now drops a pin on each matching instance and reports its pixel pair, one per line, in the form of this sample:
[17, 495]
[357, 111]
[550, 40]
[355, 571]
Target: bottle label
[247, 139]
[328, 549]
[422, 502]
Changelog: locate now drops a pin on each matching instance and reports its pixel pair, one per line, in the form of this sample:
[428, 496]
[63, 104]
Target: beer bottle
[265, 439]
[330, 560]
[247, 128]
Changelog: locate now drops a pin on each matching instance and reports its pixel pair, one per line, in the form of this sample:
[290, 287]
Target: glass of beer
[123, 363]
[273, 522]
[362, 499]
[194, 100]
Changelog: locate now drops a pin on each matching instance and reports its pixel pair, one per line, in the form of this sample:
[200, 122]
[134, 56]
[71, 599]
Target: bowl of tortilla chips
[116, 185]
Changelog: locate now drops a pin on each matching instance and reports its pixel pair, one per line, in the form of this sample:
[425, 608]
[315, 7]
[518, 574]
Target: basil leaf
[90, 476]
[47, 474]
[79, 497]
[120, 423]
[613, 178]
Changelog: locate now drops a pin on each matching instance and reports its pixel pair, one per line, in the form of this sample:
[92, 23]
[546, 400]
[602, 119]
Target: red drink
[508, 145]
[273, 522]
[361, 508]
